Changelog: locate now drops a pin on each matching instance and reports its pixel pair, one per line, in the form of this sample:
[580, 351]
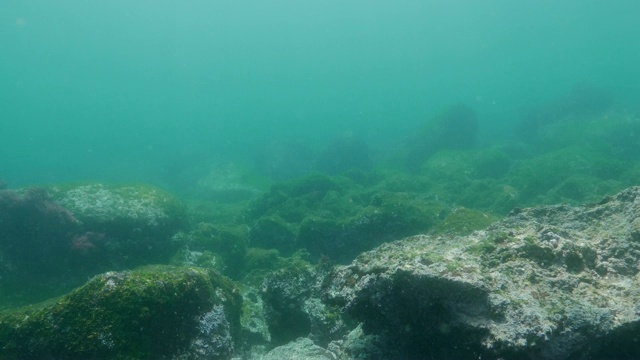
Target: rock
[333, 216]
[218, 246]
[126, 225]
[581, 103]
[388, 216]
[225, 183]
[302, 348]
[36, 237]
[553, 282]
[149, 313]
[122, 209]
[357, 345]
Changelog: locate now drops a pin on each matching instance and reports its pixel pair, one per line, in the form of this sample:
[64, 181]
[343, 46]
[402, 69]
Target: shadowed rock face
[553, 282]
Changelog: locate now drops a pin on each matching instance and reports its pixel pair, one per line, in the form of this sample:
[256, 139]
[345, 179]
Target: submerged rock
[334, 216]
[302, 348]
[35, 239]
[554, 282]
[123, 226]
[150, 313]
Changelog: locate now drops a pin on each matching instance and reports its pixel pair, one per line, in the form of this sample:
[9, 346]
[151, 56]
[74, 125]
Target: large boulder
[292, 306]
[122, 225]
[554, 282]
[302, 348]
[150, 313]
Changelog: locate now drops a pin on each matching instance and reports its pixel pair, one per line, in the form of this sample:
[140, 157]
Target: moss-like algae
[141, 314]
[463, 221]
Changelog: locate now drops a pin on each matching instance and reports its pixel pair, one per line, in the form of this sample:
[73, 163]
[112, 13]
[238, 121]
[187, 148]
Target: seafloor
[445, 248]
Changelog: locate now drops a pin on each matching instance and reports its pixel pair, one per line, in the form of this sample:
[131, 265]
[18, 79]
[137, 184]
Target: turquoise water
[290, 133]
[125, 90]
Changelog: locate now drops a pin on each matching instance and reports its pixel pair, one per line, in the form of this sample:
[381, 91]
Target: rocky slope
[553, 282]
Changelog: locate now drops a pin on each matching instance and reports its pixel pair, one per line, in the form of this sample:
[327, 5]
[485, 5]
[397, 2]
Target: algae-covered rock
[292, 306]
[121, 209]
[581, 103]
[336, 217]
[284, 293]
[259, 262]
[149, 313]
[463, 221]
[125, 224]
[226, 183]
[218, 246]
[272, 232]
[388, 216]
[255, 329]
[574, 174]
[276, 217]
[554, 282]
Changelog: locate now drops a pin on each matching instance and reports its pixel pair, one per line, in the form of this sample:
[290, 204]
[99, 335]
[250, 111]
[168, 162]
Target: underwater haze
[350, 179]
[132, 90]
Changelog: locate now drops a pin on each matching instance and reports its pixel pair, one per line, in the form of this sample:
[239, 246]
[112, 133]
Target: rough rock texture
[302, 348]
[255, 329]
[122, 208]
[151, 313]
[554, 282]
[123, 226]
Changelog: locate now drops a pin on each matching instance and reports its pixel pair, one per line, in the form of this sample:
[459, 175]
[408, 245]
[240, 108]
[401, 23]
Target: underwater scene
[321, 180]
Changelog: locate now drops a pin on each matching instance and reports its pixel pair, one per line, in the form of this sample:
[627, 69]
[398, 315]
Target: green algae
[118, 208]
[140, 314]
[333, 216]
[463, 221]
[220, 246]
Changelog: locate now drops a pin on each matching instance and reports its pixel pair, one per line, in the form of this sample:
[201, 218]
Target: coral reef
[581, 103]
[334, 216]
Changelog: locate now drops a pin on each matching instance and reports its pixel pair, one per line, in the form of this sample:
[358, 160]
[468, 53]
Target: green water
[125, 90]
